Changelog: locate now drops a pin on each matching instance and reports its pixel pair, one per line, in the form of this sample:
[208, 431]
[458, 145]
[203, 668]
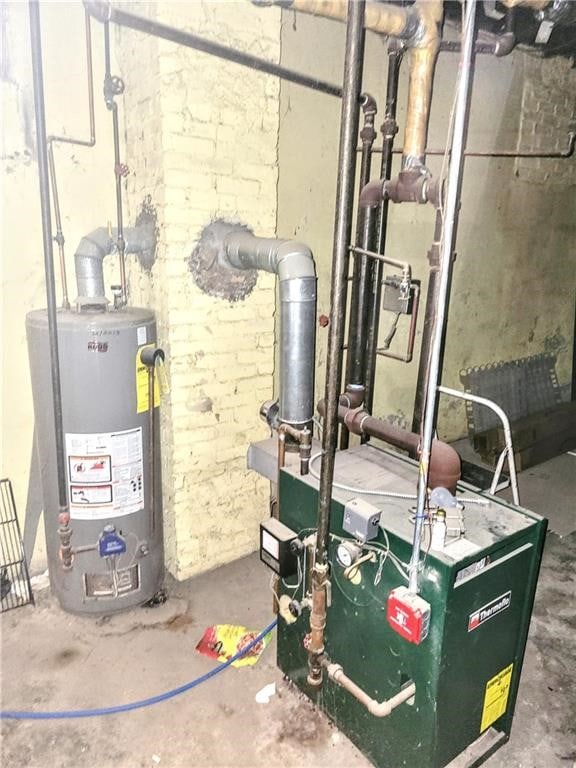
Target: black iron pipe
[363, 266]
[105, 12]
[389, 130]
[353, 65]
[44, 183]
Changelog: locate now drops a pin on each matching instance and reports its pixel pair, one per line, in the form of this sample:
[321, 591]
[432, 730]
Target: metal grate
[15, 589]
[521, 387]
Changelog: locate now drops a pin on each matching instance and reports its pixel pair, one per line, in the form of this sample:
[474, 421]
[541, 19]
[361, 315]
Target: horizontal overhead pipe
[444, 464]
[104, 11]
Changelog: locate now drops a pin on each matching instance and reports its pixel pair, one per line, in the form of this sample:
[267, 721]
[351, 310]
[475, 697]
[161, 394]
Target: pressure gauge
[348, 553]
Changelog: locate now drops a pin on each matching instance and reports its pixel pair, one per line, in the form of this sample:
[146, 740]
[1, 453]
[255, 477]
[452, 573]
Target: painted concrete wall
[516, 244]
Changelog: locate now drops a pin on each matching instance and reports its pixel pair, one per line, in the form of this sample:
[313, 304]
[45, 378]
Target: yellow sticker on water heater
[143, 384]
[496, 697]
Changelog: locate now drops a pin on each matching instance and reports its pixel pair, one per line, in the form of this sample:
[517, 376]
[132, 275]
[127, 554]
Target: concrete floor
[51, 660]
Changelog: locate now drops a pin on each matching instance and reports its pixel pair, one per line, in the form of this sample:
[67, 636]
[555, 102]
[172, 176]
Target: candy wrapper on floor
[222, 641]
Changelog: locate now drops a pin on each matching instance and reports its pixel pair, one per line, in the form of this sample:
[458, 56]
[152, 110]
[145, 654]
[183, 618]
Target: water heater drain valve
[408, 614]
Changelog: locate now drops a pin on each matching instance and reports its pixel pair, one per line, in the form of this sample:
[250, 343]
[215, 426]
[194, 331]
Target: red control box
[408, 614]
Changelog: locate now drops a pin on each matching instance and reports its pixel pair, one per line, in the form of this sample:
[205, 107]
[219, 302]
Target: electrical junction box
[276, 549]
[480, 590]
[408, 614]
[393, 299]
[361, 519]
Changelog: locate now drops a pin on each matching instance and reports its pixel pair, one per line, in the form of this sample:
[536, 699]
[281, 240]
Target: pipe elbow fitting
[294, 260]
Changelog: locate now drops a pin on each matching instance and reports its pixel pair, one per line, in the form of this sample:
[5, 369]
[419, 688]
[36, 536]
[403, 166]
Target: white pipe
[376, 708]
[447, 242]
[509, 450]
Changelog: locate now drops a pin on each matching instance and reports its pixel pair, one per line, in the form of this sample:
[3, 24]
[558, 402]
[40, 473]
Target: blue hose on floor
[66, 714]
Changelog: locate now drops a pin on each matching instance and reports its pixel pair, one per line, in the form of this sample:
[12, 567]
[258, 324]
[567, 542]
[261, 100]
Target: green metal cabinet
[466, 670]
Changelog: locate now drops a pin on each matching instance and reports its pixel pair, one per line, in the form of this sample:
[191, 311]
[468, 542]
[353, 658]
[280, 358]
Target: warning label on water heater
[105, 474]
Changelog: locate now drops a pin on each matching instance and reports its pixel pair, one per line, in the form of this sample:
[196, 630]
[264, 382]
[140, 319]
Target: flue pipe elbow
[293, 264]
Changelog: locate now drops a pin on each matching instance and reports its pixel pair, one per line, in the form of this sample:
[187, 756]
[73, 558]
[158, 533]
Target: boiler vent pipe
[292, 262]
[447, 243]
[44, 179]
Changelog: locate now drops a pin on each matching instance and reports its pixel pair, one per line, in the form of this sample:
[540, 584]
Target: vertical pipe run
[110, 91]
[353, 63]
[365, 230]
[340, 256]
[44, 181]
[389, 130]
[428, 326]
[447, 242]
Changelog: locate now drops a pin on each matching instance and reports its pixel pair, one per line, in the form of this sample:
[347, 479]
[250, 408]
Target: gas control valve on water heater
[111, 441]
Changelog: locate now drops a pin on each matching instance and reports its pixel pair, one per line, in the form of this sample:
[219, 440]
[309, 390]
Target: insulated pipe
[44, 182]
[444, 462]
[90, 254]
[292, 262]
[376, 708]
[423, 56]
[448, 239]
[418, 26]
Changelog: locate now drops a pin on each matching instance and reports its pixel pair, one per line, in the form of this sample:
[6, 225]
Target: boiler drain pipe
[44, 179]
[447, 242]
[353, 65]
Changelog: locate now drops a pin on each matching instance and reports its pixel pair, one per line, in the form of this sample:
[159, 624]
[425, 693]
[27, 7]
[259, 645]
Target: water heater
[112, 451]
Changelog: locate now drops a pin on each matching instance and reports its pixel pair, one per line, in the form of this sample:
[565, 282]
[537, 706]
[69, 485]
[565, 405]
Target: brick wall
[201, 139]
[548, 110]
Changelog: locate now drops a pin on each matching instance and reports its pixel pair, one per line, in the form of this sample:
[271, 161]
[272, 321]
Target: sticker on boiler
[496, 697]
[488, 611]
[105, 474]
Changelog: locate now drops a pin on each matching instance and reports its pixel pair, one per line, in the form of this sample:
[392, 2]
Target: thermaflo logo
[489, 610]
